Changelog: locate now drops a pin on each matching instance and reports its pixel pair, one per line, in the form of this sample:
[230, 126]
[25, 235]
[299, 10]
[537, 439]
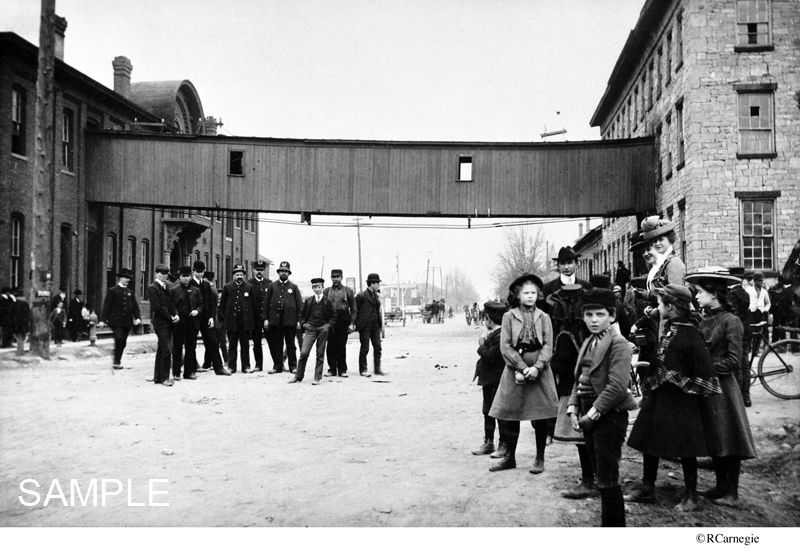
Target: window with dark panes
[668, 146]
[756, 123]
[679, 132]
[144, 267]
[17, 229]
[658, 154]
[753, 23]
[464, 168]
[236, 164]
[758, 233]
[68, 141]
[229, 225]
[668, 58]
[678, 40]
[659, 81]
[651, 83]
[18, 115]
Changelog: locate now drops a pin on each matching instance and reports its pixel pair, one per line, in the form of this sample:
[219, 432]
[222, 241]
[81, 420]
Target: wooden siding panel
[565, 179]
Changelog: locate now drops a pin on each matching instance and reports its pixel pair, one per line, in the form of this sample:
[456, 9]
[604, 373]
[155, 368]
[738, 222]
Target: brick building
[717, 83]
[89, 243]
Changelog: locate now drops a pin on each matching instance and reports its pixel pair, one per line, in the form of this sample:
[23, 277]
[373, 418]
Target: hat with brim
[125, 272]
[494, 310]
[639, 282]
[566, 254]
[317, 281]
[284, 267]
[637, 242]
[185, 271]
[653, 227]
[208, 275]
[373, 278]
[713, 273]
[162, 269]
[239, 268]
[600, 280]
[599, 298]
[336, 272]
[524, 278]
[676, 293]
[260, 265]
[78, 292]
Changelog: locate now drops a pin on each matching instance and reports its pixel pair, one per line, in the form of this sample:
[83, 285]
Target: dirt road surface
[251, 450]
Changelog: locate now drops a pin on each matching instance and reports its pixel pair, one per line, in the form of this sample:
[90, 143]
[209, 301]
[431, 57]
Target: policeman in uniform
[237, 311]
[344, 304]
[282, 306]
[188, 302]
[120, 313]
[259, 284]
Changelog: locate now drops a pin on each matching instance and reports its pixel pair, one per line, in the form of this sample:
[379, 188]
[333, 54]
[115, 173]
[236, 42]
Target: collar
[121, 285]
[259, 276]
[567, 280]
[282, 282]
[163, 285]
[198, 281]
[318, 298]
[239, 282]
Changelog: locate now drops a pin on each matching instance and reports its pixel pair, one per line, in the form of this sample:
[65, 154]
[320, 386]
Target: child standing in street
[91, 323]
[316, 319]
[488, 371]
[58, 319]
[600, 399]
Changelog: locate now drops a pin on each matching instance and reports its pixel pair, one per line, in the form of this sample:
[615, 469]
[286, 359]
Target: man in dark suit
[20, 319]
[259, 284]
[207, 319]
[162, 318]
[6, 300]
[120, 313]
[237, 311]
[188, 302]
[282, 305]
[75, 323]
[567, 263]
[316, 319]
[344, 303]
[369, 321]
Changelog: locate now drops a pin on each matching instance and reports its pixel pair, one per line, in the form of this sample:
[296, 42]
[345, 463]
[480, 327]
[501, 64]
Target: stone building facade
[717, 84]
[89, 243]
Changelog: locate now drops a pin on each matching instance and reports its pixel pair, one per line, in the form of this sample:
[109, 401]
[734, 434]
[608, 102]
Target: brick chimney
[60, 28]
[122, 75]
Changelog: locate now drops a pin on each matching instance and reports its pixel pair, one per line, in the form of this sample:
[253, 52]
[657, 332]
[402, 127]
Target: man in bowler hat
[344, 303]
[75, 323]
[188, 302]
[208, 319]
[120, 313]
[369, 321]
[237, 311]
[259, 283]
[163, 317]
[282, 306]
[316, 319]
[567, 263]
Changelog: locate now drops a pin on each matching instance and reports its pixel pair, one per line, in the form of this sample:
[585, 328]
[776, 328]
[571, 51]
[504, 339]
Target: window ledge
[236, 175]
[754, 48]
[464, 181]
[67, 172]
[756, 155]
[20, 157]
[680, 165]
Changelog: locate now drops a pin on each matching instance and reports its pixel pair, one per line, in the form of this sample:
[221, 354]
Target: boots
[509, 460]
[486, 448]
[613, 507]
[583, 490]
[501, 450]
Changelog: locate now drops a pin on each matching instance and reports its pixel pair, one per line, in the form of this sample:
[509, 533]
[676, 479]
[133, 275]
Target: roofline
[595, 232]
[70, 72]
[373, 143]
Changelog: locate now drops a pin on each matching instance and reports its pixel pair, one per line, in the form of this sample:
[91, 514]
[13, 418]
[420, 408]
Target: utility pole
[43, 181]
[427, 271]
[360, 278]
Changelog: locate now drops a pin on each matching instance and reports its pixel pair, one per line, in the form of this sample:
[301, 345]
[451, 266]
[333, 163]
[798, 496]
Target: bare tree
[525, 251]
[460, 289]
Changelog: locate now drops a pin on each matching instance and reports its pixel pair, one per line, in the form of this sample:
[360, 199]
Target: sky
[454, 70]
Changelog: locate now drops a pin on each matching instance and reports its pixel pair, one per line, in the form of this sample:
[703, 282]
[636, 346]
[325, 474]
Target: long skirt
[670, 424]
[525, 402]
[727, 427]
[564, 431]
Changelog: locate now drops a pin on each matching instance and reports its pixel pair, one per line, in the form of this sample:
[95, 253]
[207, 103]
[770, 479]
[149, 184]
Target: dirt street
[383, 451]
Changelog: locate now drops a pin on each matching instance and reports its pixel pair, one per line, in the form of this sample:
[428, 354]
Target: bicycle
[778, 368]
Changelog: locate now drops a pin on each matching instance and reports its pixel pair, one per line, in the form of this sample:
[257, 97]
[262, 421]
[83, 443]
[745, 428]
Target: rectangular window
[758, 233]
[228, 268]
[678, 41]
[464, 168]
[668, 147]
[668, 58]
[219, 217]
[18, 117]
[217, 271]
[144, 267]
[229, 225]
[658, 155]
[659, 80]
[130, 254]
[68, 141]
[111, 252]
[651, 82]
[756, 135]
[206, 263]
[753, 24]
[635, 107]
[680, 134]
[238, 216]
[236, 163]
[17, 227]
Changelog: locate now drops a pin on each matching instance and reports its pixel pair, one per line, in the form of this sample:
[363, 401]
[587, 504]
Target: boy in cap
[488, 370]
[600, 399]
[120, 312]
[369, 321]
[316, 319]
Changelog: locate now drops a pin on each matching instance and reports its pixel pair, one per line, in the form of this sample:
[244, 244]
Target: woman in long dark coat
[669, 423]
[527, 390]
[728, 430]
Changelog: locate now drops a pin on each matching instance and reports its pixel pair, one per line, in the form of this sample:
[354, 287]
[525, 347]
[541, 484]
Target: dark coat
[283, 303]
[490, 363]
[328, 313]
[237, 298]
[20, 316]
[351, 300]
[368, 310]
[185, 299]
[161, 307]
[120, 307]
[551, 287]
[260, 291]
[56, 299]
[5, 311]
[610, 374]
[74, 311]
[209, 310]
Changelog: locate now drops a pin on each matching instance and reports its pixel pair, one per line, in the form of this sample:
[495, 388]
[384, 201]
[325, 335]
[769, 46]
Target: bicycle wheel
[779, 369]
